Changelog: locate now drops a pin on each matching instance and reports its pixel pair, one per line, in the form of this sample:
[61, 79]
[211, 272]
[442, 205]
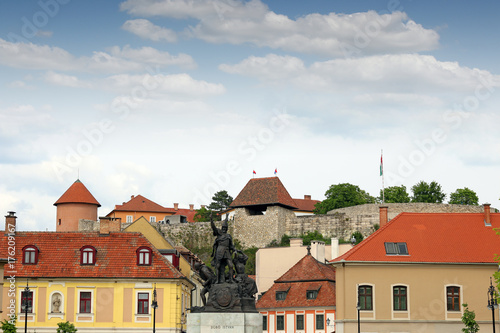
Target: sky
[178, 99]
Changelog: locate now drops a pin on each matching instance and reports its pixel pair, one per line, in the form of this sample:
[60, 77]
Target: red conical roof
[264, 191]
[77, 193]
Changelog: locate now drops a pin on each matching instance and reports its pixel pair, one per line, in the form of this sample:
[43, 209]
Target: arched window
[30, 255]
[88, 255]
[144, 256]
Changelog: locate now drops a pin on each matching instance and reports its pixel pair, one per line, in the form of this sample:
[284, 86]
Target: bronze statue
[222, 251]
[208, 279]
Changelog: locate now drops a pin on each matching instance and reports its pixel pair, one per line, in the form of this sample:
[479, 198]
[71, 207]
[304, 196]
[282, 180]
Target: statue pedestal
[224, 322]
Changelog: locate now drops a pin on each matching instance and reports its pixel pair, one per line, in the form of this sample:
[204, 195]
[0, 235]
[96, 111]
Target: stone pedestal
[220, 322]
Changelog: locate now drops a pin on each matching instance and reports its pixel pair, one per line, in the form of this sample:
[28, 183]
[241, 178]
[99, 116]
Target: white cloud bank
[334, 35]
[147, 30]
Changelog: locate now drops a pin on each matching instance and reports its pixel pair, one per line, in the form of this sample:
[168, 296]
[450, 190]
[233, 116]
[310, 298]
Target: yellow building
[99, 281]
[415, 273]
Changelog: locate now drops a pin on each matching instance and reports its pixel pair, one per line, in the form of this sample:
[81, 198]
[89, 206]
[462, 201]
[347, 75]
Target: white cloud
[44, 57]
[238, 22]
[405, 73]
[147, 30]
[65, 80]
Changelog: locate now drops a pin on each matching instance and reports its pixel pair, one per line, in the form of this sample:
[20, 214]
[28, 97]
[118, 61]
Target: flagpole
[382, 174]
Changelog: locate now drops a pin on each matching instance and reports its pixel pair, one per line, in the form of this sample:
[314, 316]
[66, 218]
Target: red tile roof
[306, 205]
[139, 203]
[264, 191]
[432, 237]
[307, 274]
[59, 256]
[189, 214]
[77, 193]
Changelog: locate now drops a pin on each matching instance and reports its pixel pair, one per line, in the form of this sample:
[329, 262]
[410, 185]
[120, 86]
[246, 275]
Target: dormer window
[144, 255]
[396, 248]
[281, 295]
[30, 255]
[88, 255]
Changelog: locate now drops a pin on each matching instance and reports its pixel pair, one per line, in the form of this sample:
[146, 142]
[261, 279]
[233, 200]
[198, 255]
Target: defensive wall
[260, 230]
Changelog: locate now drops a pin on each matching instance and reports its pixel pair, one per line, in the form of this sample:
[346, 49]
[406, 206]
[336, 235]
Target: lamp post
[358, 307]
[492, 302]
[154, 305]
[26, 299]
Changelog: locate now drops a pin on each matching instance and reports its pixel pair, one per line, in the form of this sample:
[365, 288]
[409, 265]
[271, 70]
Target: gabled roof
[139, 203]
[432, 238]
[77, 193]
[59, 256]
[306, 275]
[306, 205]
[264, 191]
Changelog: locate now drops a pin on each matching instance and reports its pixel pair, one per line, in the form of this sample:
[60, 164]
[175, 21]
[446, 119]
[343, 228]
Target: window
[85, 302]
[312, 294]
[400, 299]
[453, 298]
[299, 322]
[129, 219]
[280, 322]
[88, 254]
[30, 254]
[144, 256]
[143, 303]
[320, 321]
[152, 219]
[280, 295]
[264, 323]
[27, 299]
[396, 248]
[365, 294]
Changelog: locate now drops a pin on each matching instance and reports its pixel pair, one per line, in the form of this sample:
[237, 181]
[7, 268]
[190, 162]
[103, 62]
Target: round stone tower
[75, 204]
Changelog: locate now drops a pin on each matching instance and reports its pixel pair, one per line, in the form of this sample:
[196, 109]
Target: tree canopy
[427, 192]
[202, 215]
[464, 196]
[220, 201]
[342, 195]
[394, 194]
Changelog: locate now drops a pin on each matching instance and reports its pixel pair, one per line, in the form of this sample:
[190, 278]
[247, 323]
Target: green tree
[395, 194]
[220, 202]
[430, 193]
[66, 327]
[464, 196]
[342, 195]
[9, 326]
[469, 320]
[306, 239]
[202, 215]
[358, 236]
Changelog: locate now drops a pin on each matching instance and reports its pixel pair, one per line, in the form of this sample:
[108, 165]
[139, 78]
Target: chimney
[383, 215]
[318, 250]
[307, 197]
[176, 206]
[10, 222]
[335, 248]
[191, 207]
[109, 224]
[487, 220]
[132, 196]
[296, 242]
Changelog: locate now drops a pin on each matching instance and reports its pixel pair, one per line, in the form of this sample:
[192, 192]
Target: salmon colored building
[415, 273]
[302, 300]
[75, 204]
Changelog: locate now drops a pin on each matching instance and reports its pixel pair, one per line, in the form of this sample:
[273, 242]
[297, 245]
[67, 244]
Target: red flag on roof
[254, 172]
[275, 171]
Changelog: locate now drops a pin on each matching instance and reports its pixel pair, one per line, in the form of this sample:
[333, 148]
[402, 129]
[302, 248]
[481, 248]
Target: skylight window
[396, 248]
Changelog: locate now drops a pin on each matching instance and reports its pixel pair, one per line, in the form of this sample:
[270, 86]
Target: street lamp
[353, 240]
[26, 300]
[358, 307]
[154, 305]
[492, 302]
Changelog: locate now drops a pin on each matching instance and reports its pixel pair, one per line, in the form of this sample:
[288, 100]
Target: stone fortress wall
[260, 230]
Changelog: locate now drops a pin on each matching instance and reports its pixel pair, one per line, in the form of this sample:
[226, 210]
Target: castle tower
[75, 204]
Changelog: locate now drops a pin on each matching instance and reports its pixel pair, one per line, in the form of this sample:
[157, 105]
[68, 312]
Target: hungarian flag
[381, 166]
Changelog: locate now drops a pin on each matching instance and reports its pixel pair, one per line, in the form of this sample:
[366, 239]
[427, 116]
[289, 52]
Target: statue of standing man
[222, 252]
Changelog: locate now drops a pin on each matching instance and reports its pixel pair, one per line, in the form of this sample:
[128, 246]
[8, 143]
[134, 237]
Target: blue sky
[178, 99]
